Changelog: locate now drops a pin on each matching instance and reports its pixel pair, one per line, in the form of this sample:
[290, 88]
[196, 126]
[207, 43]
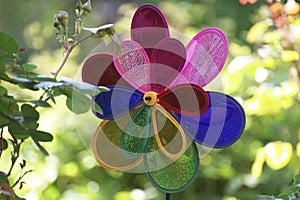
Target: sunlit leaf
[40, 103]
[257, 31]
[257, 166]
[85, 87]
[99, 29]
[29, 67]
[278, 154]
[48, 84]
[289, 56]
[8, 43]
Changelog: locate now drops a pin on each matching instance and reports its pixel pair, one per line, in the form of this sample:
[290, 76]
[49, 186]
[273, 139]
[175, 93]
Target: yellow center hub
[150, 98]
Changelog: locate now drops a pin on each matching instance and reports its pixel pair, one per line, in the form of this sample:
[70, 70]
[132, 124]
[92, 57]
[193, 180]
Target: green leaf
[30, 116]
[8, 43]
[283, 196]
[51, 95]
[42, 136]
[41, 77]
[21, 80]
[80, 103]
[41, 148]
[3, 75]
[15, 197]
[29, 67]
[47, 84]
[3, 177]
[99, 29]
[77, 106]
[3, 144]
[265, 197]
[18, 132]
[29, 112]
[40, 103]
[297, 180]
[23, 83]
[3, 90]
[84, 87]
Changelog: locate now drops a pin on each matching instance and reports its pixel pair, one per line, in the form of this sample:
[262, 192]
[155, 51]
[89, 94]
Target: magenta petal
[206, 55]
[167, 60]
[148, 27]
[133, 65]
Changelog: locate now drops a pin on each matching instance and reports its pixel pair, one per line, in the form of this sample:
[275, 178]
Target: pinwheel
[156, 110]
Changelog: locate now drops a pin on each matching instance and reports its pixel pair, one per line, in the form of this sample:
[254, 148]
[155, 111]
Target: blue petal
[220, 126]
[118, 101]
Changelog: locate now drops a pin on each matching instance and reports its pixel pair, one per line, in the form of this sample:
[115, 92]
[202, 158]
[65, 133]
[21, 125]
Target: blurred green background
[263, 161]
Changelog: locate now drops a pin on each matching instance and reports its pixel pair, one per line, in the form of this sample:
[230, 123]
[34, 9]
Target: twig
[2, 141]
[20, 178]
[14, 156]
[68, 52]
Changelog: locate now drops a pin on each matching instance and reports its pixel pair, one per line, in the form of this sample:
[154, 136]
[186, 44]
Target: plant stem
[68, 52]
[2, 142]
[14, 156]
[20, 178]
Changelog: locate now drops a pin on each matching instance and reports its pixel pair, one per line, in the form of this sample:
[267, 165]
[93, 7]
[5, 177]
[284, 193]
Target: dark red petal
[185, 99]
[167, 60]
[99, 70]
[148, 27]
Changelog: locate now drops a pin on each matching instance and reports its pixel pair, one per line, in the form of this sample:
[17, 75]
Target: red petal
[185, 99]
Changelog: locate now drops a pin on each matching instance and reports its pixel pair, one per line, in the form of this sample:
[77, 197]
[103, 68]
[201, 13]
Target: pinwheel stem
[168, 196]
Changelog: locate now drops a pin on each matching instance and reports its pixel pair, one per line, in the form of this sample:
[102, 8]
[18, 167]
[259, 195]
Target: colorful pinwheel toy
[156, 109]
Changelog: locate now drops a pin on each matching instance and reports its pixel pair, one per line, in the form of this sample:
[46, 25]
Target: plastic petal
[176, 176]
[99, 70]
[220, 126]
[118, 101]
[133, 65]
[186, 99]
[106, 147]
[169, 135]
[149, 26]
[167, 60]
[136, 133]
[206, 55]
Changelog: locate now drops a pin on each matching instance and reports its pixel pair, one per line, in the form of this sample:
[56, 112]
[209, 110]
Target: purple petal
[117, 102]
[206, 55]
[167, 60]
[148, 27]
[220, 126]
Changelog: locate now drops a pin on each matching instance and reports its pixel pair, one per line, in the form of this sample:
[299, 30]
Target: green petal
[135, 135]
[178, 175]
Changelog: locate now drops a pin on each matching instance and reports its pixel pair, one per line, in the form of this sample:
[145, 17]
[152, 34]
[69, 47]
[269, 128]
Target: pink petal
[206, 55]
[133, 65]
